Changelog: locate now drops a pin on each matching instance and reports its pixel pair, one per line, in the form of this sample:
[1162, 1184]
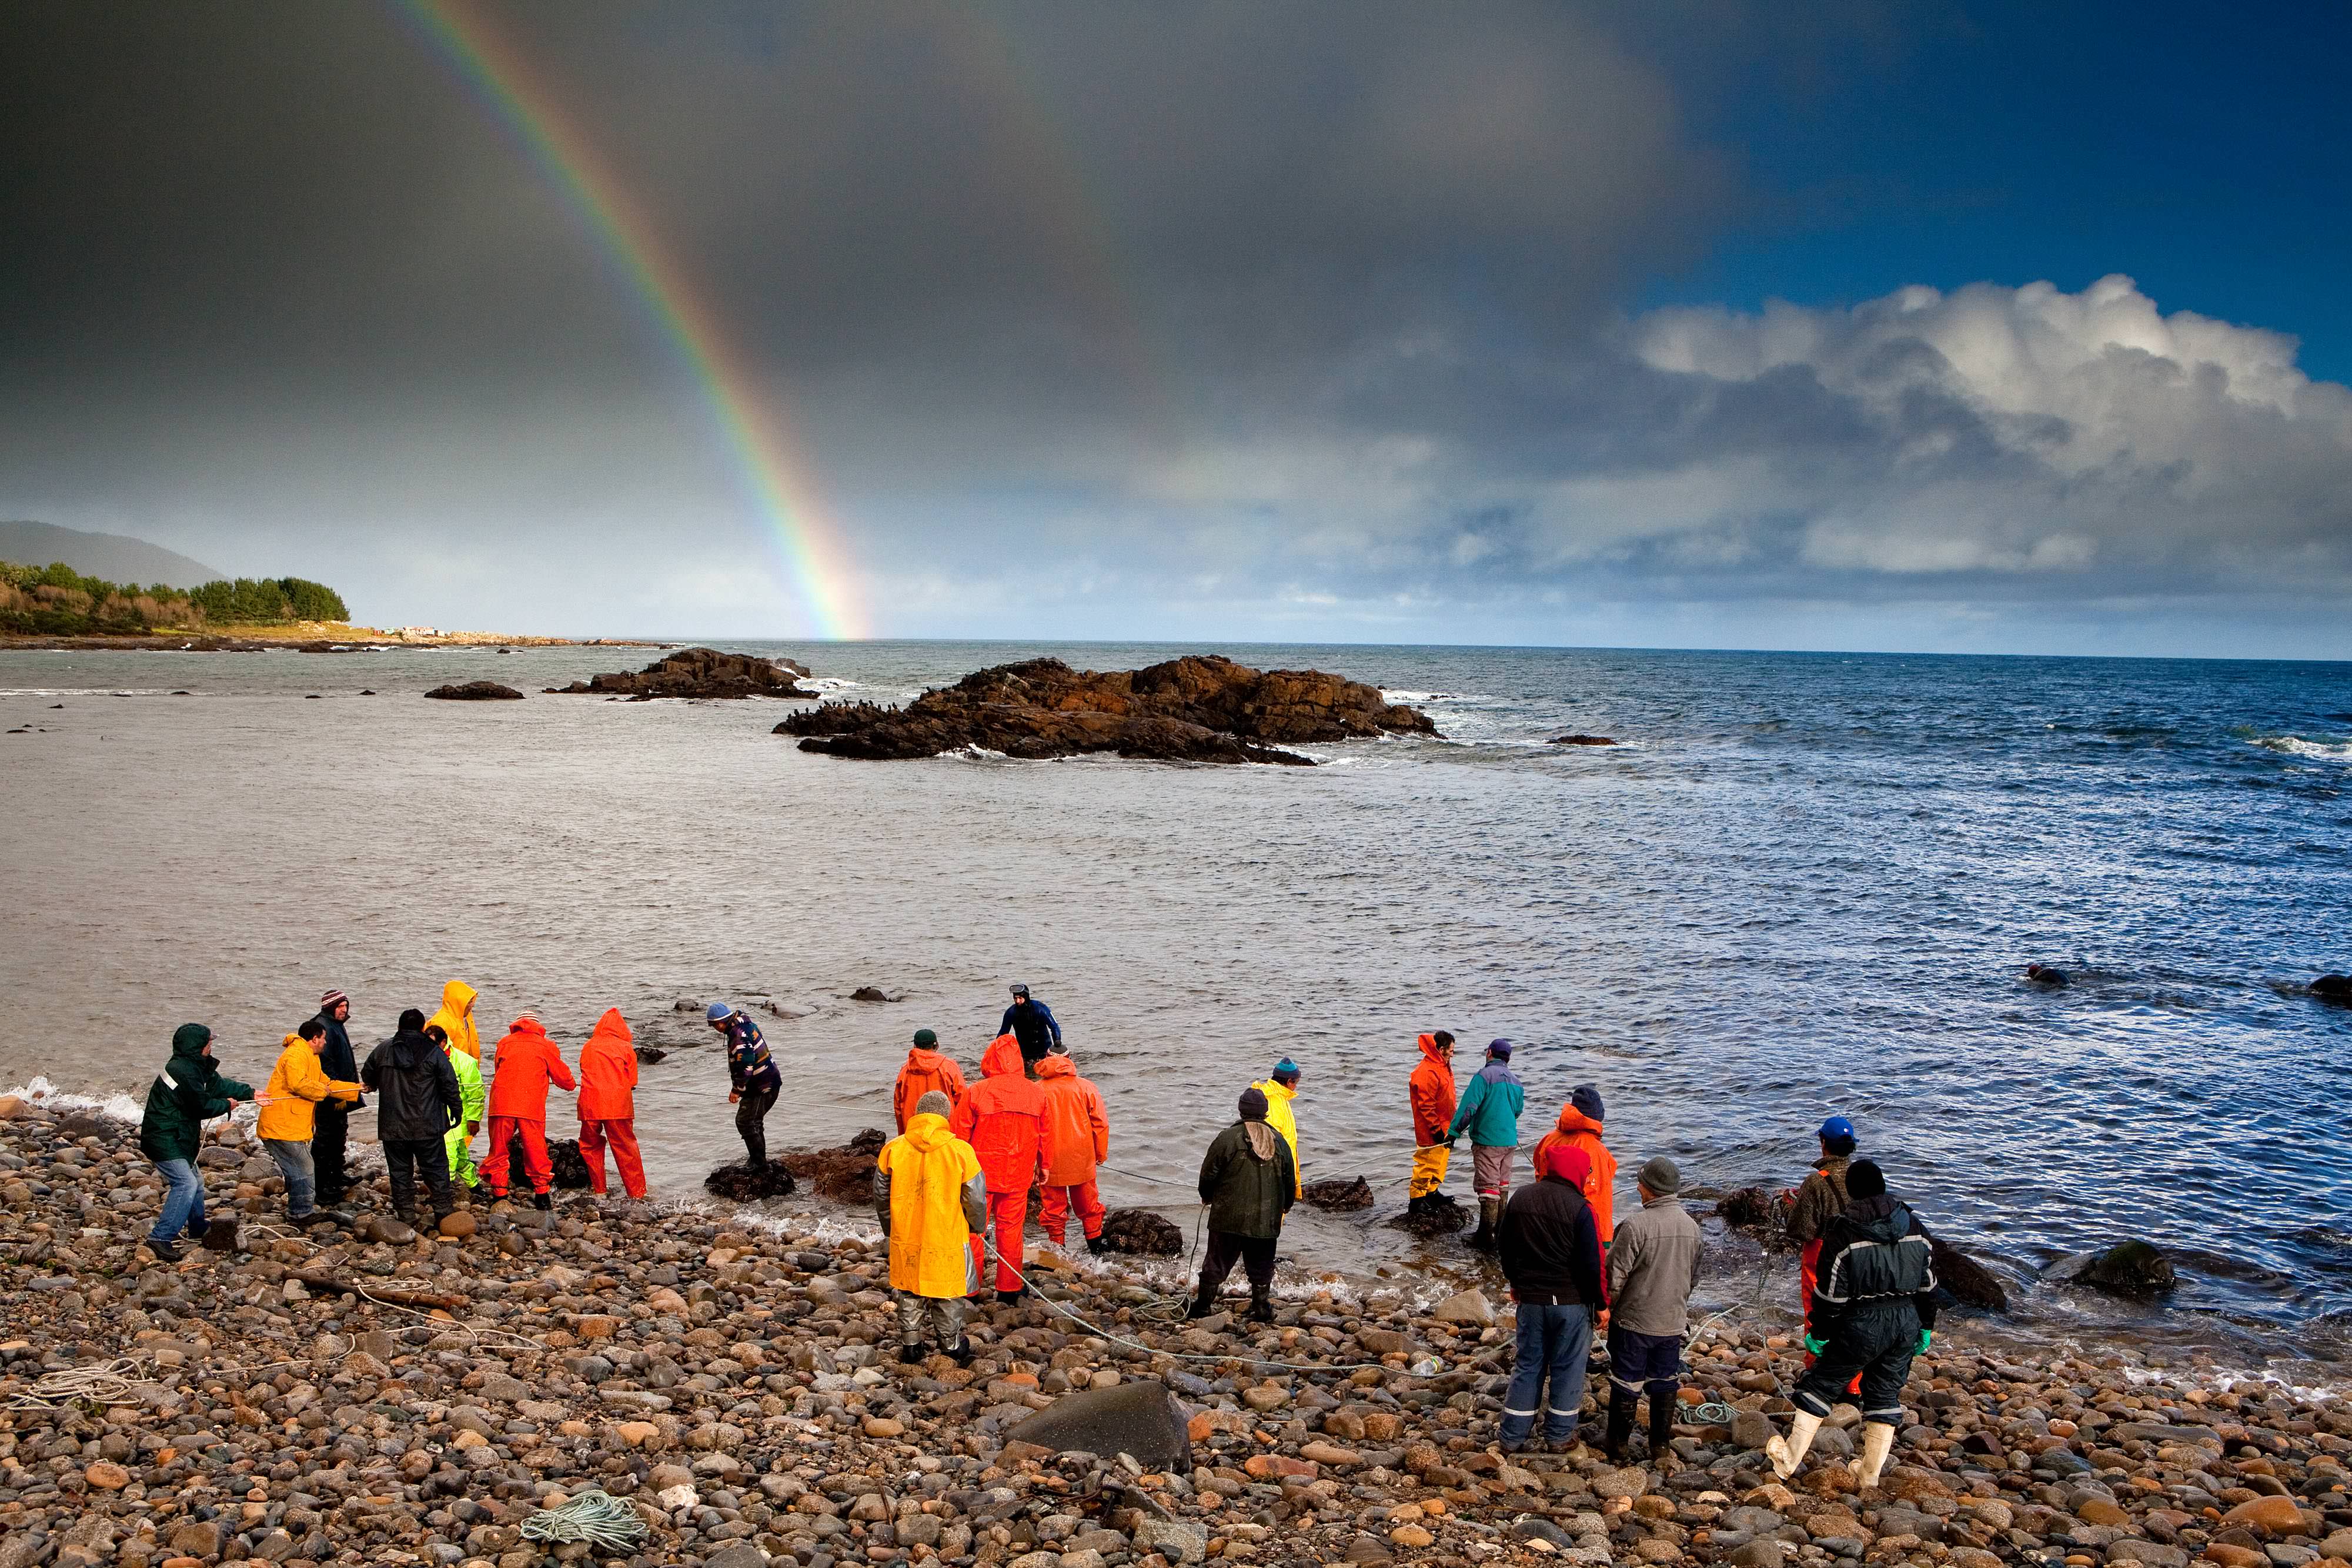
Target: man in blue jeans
[186, 1094]
[1549, 1248]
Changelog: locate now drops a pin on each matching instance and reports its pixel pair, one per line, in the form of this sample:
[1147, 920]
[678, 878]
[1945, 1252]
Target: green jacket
[469, 1087]
[1490, 1109]
[186, 1094]
[1248, 1193]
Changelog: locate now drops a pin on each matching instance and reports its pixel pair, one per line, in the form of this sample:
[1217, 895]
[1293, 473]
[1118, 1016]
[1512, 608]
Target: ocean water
[1802, 883]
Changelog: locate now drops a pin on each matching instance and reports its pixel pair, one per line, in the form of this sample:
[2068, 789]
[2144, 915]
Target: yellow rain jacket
[456, 1019]
[931, 1196]
[290, 1101]
[1278, 1117]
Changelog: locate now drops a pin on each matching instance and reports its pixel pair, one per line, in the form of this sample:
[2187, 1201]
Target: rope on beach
[595, 1516]
[110, 1383]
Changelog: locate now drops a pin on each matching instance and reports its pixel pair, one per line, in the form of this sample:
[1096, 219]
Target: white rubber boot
[1786, 1453]
[1877, 1442]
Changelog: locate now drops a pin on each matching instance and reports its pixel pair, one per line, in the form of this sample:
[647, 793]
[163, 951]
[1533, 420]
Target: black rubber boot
[1621, 1426]
[962, 1353]
[1489, 1212]
[1261, 1307]
[1205, 1302]
[910, 1353]
[1662, 1426]
[1097, 1246]
[542, 1202]
[1010, 1298]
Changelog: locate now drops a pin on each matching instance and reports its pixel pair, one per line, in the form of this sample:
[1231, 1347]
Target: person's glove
[1926, 1335]
[1815, 1347]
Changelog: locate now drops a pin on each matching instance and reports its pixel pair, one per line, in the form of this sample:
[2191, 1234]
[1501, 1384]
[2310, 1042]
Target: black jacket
[1034, 1025]
[336, 1058]
[1247, 1193]
[1549, 1246]
[1877, 1264]
[416, 1086]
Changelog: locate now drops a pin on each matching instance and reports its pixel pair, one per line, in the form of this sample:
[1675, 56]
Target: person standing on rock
[332, 1132]
[1249, 1179]
[1821, 1199]
[1551, 1253]
[1489, 1112]
[458, 1147]
[1280, 1089]
[932, 1198]
[1652, 1269]
[752, 1082]
[526, 1063]
[1034, 1025]
[1432, 1094]
[608, 1108]
[455, 1019]
[187, 1093]
[1003, 1120]
[1873, 1311]
[1580, 1124]
[418, 1105]
[1077, 1140]
[926, 1070]
[296, 1086]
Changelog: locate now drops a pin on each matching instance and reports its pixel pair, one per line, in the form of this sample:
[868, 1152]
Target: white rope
[596, 1517]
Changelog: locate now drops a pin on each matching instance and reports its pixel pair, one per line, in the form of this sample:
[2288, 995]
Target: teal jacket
[187, 1093]
[1490, 1109]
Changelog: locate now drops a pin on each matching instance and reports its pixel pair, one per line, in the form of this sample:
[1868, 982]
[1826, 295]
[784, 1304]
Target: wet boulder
[1138, 1417]
[2129, 1268]
[740, 1184]
[2337, 988]
[1141, 1233]
[1440, 1216]
[1757, 1211]
[1969, 1283]
[1579, 740]
[476, 691]
[846, 1174]
[2044, 975]
[699, 672]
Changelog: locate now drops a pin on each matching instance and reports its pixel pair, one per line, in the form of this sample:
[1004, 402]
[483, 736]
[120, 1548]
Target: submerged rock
[2129, 1268]
[1970, 1282]
[2334, 988]
[1579, 740]
[846, 1174]
[1440, 1215]
[740, 1184]
[699, 672]
[1195, 709]
[476, 691]
[1339, 1196]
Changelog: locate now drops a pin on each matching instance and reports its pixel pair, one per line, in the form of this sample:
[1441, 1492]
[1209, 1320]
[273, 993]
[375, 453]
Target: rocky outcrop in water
[2128, 1269]
[1339, 1196]
[2337, 988]
[738, 1183]
[476, 691]
[1579, 740]
[845, 1175]
[1197, 709]
[1142, 1234]
[699, 672]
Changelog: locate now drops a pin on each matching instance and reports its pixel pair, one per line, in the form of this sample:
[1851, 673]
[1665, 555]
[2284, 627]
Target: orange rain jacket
[528, 1062]
[1433, 1099]
[608, 1071]
[1004, 1118]
[1077, 1134]
[1582, 1132]
[925, 1070]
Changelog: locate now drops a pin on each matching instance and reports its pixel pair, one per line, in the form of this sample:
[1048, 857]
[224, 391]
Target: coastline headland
[373, 1396]
[301, 637]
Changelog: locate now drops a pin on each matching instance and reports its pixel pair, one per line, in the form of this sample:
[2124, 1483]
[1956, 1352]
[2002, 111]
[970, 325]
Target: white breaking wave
[116, 1107]
[2296, 745]
[84, 692]
[829, 682]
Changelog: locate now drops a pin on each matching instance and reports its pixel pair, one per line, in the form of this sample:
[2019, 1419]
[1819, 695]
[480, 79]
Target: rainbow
[812, 551]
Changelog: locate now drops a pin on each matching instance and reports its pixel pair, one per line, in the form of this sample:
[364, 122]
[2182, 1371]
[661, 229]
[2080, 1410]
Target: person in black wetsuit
[1034, 1025]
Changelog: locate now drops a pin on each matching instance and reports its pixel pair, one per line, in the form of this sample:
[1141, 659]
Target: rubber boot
[1010, 1298]
[1261, 1307]
[1621, 1426]
[1490, 1209]
[910, 1353]
[1205, 1302]
[1661, 1430]
[542, 1202]
[1877, 1442]
[962, 1353]
[1786, 1453]
[1097, 1246]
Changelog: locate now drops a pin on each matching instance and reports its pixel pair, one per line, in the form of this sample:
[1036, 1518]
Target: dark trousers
[409, 1159]
[330, 1128]
[1875, 1342]
[751, 1122]
[1253, 1253]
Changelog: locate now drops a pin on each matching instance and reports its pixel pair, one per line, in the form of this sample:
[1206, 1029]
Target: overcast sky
[1956, 326]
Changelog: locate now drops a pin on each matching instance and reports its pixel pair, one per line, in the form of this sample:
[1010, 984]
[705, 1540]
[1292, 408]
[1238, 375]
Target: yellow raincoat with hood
[290, 1103]
[936, 1199]
[456, 1019]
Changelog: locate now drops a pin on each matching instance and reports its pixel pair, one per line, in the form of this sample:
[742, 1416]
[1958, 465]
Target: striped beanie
[328, 1001]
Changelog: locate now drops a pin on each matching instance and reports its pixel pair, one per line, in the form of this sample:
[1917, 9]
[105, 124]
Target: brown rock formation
[698, 673]
[1195, 709]
[476, 691]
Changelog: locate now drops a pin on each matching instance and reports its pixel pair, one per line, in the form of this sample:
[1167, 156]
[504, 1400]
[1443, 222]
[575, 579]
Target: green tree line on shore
[58, 601]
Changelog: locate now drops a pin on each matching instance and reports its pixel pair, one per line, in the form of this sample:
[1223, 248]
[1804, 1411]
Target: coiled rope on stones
[595, 1516]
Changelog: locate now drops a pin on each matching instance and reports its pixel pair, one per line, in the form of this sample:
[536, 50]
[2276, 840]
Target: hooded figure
[187, 1093]
[459, 1146]
[1078, 1139]
[1550, 1254]
[456, 1019]
[525, 1064]
[1003, 1120]
[1489, 1112]
[1431, 1091]
[1280, 1089]
[931, 1196]
[608, 1081]
[1873, 1311]
[419, 1104]
[925, 1070]
[1580, 1124]
[287, 1106]
[1249, 1181]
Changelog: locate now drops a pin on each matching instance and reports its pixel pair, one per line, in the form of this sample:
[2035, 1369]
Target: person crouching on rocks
[1003, 1119]
[1489, 1112]
[932, 1198]
[418, 1104]
[526, 1062]
[187, 1093]
[296, 1086]
[1874, 1310]
[1249, 1180]
[1653, 1268]
[1430, 1091]
[1550, 1254]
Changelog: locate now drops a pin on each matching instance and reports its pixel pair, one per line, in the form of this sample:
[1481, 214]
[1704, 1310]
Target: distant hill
[114, 556]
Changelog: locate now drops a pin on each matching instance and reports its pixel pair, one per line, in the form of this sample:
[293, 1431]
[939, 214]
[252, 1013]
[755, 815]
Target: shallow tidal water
[1803, 883]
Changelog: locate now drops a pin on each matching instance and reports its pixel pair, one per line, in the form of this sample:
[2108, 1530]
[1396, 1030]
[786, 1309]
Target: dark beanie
[410, 1017]
[1252, 1104]
[1586, 1098]
[1864, 1179]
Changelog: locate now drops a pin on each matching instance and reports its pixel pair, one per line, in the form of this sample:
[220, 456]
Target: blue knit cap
[1285, 1068]
[719, 1012]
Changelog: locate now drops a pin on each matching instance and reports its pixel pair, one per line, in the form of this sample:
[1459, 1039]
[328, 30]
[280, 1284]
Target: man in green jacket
[1249, 1181]
[1489, 1112]
[187, 1093]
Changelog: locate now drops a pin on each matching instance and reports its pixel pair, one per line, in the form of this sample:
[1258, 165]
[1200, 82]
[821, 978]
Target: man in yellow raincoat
[456, 1020]
[931, 1197]
[289, 1113]
[1280, 1089]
